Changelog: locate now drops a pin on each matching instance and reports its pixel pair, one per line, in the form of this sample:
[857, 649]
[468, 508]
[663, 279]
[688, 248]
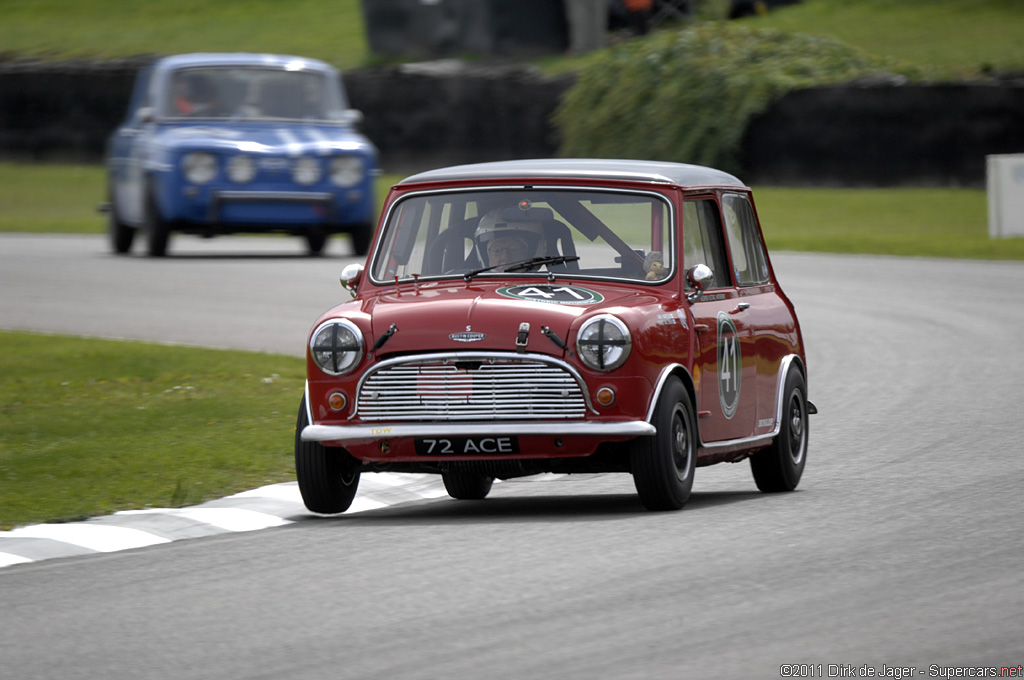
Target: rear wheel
[328, 477]
[121, 235]
[663, 464]
[780, 466]
[466, 486]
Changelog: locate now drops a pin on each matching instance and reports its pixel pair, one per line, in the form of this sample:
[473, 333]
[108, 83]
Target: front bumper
[341, 433]
[247, 205]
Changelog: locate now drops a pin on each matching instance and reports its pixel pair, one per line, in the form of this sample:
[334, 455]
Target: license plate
[467, 446]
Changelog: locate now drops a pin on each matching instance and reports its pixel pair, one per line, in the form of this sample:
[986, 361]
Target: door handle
[741, 307]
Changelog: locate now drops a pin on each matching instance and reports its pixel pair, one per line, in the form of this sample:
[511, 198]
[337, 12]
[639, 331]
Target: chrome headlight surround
[347, 171]
[306, 170]
[241, 169]
[604, 342]
[199, 167]
[336, 346]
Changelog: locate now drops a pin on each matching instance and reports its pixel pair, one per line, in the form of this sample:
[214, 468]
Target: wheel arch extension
[794, 362]
[789, 363]
[669, 371]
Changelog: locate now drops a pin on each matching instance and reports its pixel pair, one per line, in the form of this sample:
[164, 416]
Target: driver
[194, 95]
[505, 236]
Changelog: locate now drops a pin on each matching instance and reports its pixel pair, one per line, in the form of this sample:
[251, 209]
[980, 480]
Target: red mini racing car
[564, 316]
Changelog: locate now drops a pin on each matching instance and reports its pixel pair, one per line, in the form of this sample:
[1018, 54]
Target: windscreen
[567, 232]
[251, 93]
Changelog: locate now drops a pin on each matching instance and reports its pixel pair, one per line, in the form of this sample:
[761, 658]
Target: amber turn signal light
[606, 396]
[337, 401]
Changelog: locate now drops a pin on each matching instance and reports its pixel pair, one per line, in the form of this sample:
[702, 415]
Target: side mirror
[350, 277]
[699, 276]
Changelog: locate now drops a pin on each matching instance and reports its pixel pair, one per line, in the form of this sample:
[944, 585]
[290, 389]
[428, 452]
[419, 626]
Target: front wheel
[315, 242]
[328, 478]
[361, 235]
[780, 466]
[158, 231]
[663, 464]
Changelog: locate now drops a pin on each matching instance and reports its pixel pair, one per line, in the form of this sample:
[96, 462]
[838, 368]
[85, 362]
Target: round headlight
[241, 169]
[199, 168]
[337, 346]
[347, 171]
[603, 342]
[306, 170]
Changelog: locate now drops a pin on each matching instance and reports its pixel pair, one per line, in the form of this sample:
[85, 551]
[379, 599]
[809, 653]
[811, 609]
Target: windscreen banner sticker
[552, 294]
[730, 364]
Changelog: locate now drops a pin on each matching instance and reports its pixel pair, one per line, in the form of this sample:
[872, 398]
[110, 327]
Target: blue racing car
[240, 143]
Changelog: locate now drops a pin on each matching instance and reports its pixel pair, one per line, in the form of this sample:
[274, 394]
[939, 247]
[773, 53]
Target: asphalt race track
[902, 547]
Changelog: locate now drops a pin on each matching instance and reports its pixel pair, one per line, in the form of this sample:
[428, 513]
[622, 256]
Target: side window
[702, 239]
[748, 258]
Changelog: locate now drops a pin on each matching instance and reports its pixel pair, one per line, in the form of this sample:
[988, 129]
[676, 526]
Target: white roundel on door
[730, 364]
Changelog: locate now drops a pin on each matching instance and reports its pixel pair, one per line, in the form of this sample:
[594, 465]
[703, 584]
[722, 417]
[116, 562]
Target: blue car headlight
[199, 167]
[347, 171]
[241, 169]
[306, 171]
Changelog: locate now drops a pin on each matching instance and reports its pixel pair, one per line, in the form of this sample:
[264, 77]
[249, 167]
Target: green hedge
[687, 96]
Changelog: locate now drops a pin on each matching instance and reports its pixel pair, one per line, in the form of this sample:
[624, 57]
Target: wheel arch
[677, 371]
[791, 362]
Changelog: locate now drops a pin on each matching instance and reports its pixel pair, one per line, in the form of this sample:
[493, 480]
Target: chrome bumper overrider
[332, 433]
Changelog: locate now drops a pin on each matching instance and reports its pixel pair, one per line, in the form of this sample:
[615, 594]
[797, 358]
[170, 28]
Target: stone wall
[62, 110]
[886, 134]
[438, 113]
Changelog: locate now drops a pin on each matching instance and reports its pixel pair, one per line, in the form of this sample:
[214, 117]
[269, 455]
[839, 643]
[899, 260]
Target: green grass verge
[89, 427]
[931, 222]
[939, 222]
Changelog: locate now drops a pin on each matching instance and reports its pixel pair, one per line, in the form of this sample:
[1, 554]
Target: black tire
[466, 486]
[663, 465]
[315, 242]
[158, 231]
[362, 236]
[780, 466]
[328, 478]
[121, 235]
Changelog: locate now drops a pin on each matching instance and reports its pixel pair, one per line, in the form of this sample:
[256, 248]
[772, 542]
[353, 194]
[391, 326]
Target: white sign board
[1005, 195]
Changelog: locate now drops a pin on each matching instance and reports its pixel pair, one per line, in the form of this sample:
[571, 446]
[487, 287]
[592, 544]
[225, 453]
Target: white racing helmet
[510, 223]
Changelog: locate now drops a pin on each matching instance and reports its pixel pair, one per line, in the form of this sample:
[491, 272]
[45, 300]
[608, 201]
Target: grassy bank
[954, 37]
[104, 29]
[89, 427]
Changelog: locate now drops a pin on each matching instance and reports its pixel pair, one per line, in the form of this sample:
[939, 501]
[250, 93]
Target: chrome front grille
[470, 388]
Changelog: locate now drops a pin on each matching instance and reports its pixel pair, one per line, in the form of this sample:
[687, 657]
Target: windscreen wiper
[525, 264]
